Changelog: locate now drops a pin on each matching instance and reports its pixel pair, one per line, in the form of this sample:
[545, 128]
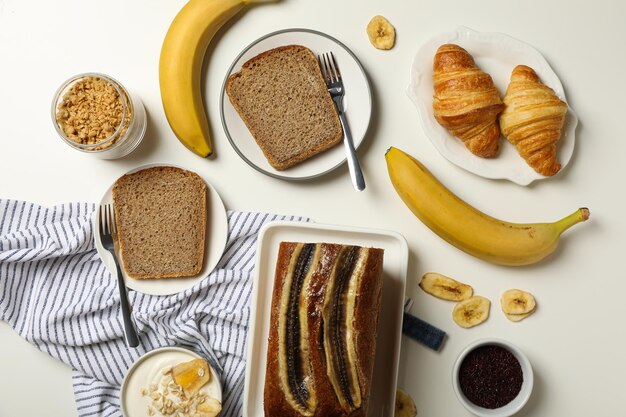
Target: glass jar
[95, 114]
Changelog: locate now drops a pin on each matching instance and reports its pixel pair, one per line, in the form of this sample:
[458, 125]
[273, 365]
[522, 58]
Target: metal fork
[332, 75]
[106, 221]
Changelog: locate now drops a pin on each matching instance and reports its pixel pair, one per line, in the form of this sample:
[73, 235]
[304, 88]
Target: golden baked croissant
[533, 119]
[466, 102]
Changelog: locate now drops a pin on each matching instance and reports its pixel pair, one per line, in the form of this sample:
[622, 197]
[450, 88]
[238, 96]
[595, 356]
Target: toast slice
[282, 98]
[160, 217]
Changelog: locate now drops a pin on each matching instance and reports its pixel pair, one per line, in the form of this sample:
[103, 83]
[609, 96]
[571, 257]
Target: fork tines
[329, 67]
[106, 219]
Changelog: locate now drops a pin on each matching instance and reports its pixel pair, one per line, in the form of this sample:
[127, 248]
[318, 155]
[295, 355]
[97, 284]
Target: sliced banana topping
[445, 287]
[338, 310]
[405, 406]
[381, 33]
[294, 367]
[471, 312]
[517, 302]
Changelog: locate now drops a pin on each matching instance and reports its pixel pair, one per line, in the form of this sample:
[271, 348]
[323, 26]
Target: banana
[466, 227]
[381, 33]
[211, 407]
[518, 317]
[180, 68]
[192, 375]
[445, 287]
[471, 312]
[517, 302]
[405, 406]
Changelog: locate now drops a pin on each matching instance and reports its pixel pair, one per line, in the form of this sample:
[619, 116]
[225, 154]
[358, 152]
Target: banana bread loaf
[324, 322]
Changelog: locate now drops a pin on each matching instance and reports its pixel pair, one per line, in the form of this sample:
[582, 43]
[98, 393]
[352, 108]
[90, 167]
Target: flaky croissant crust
[533, 119]
[465, 101]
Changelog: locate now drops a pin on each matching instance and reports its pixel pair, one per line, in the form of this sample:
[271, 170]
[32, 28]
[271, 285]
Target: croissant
[532, 120]
[465, 101]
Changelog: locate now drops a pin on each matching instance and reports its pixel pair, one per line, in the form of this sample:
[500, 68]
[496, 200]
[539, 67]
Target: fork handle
[353, 162]
[129, 328]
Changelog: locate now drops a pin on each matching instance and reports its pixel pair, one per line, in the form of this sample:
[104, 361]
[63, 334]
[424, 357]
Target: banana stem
[576, 217]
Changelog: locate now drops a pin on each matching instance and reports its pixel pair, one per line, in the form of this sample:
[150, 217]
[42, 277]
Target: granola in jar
[94, 113]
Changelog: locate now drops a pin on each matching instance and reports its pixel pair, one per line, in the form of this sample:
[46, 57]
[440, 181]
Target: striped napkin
[57, 294]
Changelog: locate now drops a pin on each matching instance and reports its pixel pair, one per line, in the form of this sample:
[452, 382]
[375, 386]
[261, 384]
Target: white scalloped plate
[496, 54]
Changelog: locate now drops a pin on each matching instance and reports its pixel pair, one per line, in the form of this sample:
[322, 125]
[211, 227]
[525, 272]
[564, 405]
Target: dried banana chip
[405, 406]
[381, 33]
[471, 312]
[518, 317]
[445, 287]
[517, 302]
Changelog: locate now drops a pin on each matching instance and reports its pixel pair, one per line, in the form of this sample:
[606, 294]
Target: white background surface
[575, 340]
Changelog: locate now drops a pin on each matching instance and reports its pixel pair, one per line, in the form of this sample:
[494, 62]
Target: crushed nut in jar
[91, 111]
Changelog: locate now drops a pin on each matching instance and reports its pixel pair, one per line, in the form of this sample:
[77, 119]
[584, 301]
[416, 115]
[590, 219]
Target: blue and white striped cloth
[57, 294]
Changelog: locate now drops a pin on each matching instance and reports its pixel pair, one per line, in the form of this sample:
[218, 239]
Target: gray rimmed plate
[358, 103]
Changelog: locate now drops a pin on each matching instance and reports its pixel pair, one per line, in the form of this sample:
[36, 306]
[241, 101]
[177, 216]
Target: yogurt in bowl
[148, 388]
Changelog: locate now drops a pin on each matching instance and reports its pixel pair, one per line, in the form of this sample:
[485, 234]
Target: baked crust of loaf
[365, 328]
[161, 212]
[366, 322]
[290, 114]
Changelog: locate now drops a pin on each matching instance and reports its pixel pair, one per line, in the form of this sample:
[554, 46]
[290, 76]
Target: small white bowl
[517, 403]
[147, 370]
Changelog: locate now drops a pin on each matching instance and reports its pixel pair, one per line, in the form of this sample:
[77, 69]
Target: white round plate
[357, 102]
[497, 54]
[215, 242]
[147, 370]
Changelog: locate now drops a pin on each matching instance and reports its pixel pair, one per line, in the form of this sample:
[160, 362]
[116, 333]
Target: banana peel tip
[584, 212]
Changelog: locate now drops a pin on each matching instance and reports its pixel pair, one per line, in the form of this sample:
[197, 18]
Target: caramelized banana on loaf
[322, 339]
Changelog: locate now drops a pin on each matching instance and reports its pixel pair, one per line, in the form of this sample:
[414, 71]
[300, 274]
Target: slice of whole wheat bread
[282, 98]
[160, 217]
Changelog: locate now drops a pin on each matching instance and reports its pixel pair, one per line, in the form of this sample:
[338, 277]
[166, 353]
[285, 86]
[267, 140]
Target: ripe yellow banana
[466, 227]
[180, 68]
